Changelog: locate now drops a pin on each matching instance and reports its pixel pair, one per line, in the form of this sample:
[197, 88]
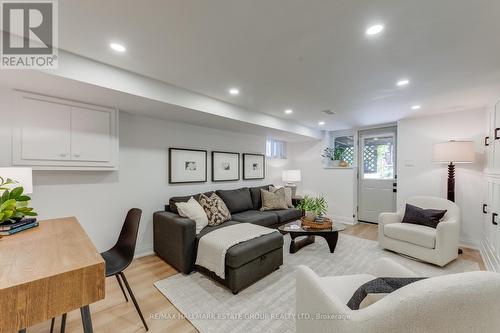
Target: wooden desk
[47, 271]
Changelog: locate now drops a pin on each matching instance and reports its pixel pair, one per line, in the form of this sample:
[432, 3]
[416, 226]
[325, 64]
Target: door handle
[493, 215]
[484, 209]
[496, 133]
[486, 141]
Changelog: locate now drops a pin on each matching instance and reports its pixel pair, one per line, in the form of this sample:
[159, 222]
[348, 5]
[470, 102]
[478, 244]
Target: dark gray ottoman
[250, 261]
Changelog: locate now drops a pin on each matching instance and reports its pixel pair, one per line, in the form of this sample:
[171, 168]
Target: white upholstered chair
[437, 246]
[459, 303]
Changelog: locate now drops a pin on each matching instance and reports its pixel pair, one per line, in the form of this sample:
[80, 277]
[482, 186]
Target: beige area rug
[267, 305]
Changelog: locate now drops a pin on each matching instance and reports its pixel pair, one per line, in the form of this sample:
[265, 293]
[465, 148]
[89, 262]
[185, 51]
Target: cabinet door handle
[486, 141]
[76, 154]
[493, 215]
[496, 133]
[63, 154]
[484, 209]
[394, 190]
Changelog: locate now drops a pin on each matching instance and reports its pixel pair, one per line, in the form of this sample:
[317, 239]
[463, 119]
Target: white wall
[338, 185]
[100, 199]
[418, 175]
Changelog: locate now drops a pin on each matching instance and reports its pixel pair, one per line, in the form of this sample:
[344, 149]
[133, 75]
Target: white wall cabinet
[490, 242]
[55, 134]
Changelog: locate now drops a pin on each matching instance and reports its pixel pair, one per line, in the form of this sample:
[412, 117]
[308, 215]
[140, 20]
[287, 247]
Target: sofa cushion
[265, 219]
[174, 200]
[256, 197]
[287, 215]
[237, 200]
[412, 233]
[242, 253]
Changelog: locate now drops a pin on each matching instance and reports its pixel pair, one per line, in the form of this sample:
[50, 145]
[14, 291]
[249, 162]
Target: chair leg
[63, 323]
[52, 322]
[133, 299]
[121, 286]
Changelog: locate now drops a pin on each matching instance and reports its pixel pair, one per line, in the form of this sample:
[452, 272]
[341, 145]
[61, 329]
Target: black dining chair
[119, 257]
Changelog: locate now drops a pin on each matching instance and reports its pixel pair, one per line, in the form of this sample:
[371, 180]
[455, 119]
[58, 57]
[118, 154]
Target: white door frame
[389, 130]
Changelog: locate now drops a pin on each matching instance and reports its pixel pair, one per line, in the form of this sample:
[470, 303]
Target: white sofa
[459, 303]
[437, 246]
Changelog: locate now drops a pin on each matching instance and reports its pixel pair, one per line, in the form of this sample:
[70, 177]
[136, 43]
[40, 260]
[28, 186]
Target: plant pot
[343, 164]
[310, 215]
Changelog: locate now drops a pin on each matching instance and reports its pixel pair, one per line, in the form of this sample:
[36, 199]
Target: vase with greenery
[313, 207]
[334, 155]
[14, 205]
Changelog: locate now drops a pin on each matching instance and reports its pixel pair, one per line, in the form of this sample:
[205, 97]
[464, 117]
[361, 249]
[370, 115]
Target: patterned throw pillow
[273, 200]
[215, 208]
[288, 194]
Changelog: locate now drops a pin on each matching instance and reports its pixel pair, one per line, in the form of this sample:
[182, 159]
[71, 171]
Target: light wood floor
[114, 315]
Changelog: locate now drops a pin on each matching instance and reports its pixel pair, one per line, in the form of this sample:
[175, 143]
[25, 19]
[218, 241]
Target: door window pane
[378, 157]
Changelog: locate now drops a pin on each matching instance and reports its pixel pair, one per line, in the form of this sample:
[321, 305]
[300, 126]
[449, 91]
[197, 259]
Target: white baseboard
[344, 220]
[144, 250]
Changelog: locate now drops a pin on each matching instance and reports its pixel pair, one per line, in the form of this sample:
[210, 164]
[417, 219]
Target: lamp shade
[291, 176]
[22, 176]
[454, 151]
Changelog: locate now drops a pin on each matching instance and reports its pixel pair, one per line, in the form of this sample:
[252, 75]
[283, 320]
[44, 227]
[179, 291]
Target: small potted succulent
[314, 208]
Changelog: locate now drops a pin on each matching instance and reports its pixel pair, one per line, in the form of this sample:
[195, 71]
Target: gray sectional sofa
[175, 239]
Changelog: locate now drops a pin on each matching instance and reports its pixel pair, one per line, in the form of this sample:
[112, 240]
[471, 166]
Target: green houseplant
[313, 207]
[14, 205]
[334, 155]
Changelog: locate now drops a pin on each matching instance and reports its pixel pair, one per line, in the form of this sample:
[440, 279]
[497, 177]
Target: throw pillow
[215, 209]
[288, 194]
[193, 210]
[426, 217]
[274, 200]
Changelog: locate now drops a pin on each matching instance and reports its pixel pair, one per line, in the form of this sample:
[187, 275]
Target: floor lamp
[453, 152]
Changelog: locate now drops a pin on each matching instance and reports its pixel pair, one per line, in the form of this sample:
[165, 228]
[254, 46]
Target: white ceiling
[308, 55]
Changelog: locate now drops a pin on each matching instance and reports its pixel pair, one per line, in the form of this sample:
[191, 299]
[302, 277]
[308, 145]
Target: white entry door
[377, 183]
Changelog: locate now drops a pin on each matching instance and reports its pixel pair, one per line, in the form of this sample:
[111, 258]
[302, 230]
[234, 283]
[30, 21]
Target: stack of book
[12, 228]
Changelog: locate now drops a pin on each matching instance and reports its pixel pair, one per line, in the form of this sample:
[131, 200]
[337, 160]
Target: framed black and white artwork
[254, 166]
[225, 166]
[187, 166]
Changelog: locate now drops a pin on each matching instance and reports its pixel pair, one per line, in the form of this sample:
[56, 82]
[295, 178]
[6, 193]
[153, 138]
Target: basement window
[344, 142]
[275, 149]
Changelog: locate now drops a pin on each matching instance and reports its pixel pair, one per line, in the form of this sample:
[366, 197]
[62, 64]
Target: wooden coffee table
[331, 235]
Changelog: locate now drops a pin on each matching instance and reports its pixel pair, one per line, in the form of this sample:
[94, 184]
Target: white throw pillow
[288, 194]
[193, 210]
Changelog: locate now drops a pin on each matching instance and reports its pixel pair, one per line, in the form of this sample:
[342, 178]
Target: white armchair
[437, 246]
[465, 302]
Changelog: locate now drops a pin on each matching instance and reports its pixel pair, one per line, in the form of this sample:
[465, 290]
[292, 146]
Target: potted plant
[314, 208]
[334, 155]
[13, 204]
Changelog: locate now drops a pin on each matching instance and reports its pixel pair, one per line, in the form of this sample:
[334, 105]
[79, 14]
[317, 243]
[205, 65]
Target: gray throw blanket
[383, 285]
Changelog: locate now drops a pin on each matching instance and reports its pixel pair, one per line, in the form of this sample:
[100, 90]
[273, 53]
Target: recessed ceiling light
[234, 91]
[118, 47]
[288, 111]
[416, 107]
[374, 29]
[403, 82]
[321, 123]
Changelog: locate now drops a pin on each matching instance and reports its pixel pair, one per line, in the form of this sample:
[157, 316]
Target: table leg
[22, 331]
[86, 319]
[297, 245]
[331, 239]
